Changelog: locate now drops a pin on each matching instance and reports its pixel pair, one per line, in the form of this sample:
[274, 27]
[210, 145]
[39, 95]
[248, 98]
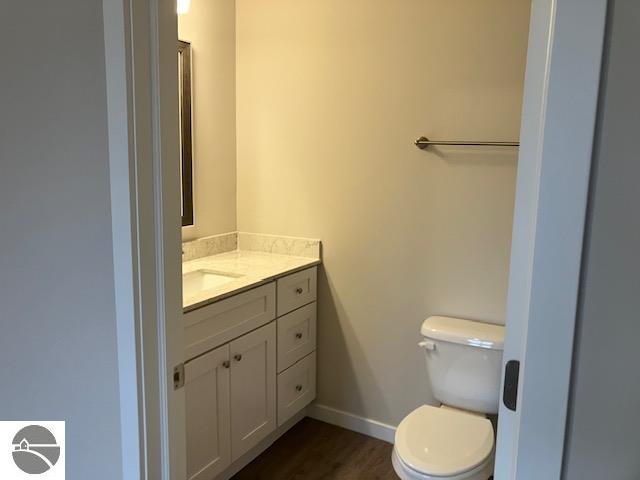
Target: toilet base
[484, 471]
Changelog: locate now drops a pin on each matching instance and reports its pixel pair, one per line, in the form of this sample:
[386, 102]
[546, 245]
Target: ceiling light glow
[183, 6]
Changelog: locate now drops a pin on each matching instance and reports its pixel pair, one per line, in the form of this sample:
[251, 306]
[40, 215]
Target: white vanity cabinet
[251, 366]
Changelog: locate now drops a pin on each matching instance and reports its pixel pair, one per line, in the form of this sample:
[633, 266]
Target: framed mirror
[186, 145]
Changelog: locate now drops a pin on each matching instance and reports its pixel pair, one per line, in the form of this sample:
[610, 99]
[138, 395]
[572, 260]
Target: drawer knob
[298, 335]
[226, 364]
[237, 357]
[299, 290]
[298, 388]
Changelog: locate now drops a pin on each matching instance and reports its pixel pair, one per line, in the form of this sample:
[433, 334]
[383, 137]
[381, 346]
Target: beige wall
[330, 96]
[210, 27]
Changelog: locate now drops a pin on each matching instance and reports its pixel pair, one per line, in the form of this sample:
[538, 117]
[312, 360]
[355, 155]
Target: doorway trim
[557, 131]
[560, 99]
[142, 102]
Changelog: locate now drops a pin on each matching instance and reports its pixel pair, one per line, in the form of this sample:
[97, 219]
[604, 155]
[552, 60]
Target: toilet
[454, 441]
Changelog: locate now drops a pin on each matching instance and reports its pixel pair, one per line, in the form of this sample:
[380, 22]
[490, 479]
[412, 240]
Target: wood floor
[314, 450]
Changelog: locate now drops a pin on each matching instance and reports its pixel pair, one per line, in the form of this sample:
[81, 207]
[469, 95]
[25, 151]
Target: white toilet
[454, 441]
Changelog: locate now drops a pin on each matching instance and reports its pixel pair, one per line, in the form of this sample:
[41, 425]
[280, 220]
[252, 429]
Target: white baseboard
[359, 424]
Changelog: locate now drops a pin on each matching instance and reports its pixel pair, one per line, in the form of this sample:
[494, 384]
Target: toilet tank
[464, 361]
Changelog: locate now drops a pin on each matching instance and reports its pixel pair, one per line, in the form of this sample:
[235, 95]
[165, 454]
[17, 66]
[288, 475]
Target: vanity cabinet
[251, 367]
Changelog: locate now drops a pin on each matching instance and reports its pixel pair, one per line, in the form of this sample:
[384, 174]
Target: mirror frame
[186, 142]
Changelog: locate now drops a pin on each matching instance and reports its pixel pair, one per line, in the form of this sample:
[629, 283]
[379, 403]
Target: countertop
[253, 268]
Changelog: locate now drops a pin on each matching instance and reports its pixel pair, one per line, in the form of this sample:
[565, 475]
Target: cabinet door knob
[299, 290]
[298, 335]
[298, 388]
[237, 357]
[226, 364]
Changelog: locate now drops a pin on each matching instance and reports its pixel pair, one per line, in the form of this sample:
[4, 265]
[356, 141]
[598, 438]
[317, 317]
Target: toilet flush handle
[427, 345]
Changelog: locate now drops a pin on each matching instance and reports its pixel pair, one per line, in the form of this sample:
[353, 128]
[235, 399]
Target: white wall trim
[142, 106]
[124, 237]
[366, 426]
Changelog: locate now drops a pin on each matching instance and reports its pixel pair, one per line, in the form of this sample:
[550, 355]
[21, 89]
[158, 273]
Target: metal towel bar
[424, 142]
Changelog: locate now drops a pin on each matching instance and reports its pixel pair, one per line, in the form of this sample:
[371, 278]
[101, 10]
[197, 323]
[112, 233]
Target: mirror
[186, 146]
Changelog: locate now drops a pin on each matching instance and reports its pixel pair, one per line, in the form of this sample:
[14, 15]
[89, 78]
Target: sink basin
[199, 280]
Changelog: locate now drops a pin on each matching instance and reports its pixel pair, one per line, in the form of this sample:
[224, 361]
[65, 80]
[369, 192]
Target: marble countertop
[252, 268]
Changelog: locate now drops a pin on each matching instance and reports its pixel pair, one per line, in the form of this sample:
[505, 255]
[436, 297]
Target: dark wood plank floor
[314, 450]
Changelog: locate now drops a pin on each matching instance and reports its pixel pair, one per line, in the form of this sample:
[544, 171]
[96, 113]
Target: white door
[207, 391]
[559, 109]
[253, 388]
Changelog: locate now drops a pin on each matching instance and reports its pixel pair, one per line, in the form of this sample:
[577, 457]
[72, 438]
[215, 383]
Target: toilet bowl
[441, 443]
[454, 441]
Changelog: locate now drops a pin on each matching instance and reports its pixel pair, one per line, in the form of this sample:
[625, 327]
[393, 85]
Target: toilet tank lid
[464, 332]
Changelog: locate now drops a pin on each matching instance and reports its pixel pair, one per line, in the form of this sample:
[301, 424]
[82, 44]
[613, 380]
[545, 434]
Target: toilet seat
[483, 471]
[443, 443]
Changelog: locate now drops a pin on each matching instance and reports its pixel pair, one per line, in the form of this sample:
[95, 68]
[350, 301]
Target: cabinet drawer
[296, 290]
[296, 335]
[296, 387]
[215, 324]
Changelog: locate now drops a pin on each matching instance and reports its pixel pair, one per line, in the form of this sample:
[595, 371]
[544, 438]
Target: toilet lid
[443, 442]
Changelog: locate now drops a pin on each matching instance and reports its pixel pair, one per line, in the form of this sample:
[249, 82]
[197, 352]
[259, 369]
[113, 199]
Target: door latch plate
[178, 376]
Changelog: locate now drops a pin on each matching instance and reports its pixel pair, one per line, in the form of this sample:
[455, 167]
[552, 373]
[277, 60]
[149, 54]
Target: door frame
[142, 102]
[560, 99]
[556, 140]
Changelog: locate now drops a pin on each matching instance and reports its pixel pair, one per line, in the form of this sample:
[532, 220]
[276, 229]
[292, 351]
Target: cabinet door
[253, 388]
[208, 414]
